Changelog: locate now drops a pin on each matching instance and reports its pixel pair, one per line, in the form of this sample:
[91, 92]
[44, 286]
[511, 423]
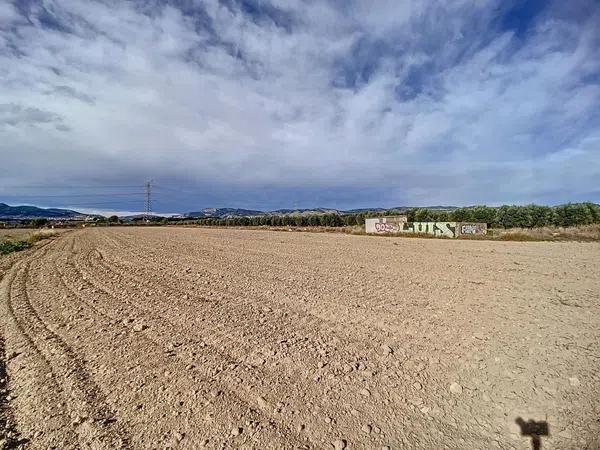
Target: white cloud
[234, 97]
[8, 14]
[116, 212]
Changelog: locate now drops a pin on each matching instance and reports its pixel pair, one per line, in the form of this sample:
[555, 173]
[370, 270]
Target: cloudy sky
[289, 103]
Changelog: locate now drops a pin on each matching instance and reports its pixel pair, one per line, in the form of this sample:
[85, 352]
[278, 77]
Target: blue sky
[269, 104]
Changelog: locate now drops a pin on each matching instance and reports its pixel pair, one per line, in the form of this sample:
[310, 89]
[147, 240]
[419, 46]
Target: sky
[267, 104]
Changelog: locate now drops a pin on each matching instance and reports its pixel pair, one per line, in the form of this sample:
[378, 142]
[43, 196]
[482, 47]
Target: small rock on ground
[456, 388]
[340, 444]
[386, 349]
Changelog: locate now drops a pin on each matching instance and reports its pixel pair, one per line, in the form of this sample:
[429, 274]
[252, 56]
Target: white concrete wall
[447, 229]
[391, 224]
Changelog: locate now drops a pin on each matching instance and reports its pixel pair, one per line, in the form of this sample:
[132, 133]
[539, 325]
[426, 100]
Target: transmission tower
[148, 199]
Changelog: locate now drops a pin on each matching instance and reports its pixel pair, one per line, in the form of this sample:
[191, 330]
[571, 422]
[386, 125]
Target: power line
[107, 194]
[54, 186]
[117, 199]
[133, 202]
[160, 187]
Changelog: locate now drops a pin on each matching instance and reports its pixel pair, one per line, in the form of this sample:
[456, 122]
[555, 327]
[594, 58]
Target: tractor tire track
[89, 414]
[204, 374]
[310, 351]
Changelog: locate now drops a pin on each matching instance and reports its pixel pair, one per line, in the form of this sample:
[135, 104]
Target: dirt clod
[339, 444]
[386, 349]
[456, 388]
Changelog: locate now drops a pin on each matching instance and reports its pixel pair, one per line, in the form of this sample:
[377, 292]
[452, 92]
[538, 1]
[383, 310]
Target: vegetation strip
[506, 216]
[13, 246]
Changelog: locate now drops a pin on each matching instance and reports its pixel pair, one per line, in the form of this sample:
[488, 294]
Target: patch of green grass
[7, 247]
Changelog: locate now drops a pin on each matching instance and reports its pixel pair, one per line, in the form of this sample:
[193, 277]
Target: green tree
[348, 219]
[540, 216]
[482, 213]
[440, 216]
[509, 216]
[573, 214]
[423, 215]
[594, 211]
[38, 222]
[313, 220]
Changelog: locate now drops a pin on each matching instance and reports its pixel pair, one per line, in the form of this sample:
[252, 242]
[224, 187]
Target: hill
[227, 213]
[29, 212]
[223, 213]
[304, 212]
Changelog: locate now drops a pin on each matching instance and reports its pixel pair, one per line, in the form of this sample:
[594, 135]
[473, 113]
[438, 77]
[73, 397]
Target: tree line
[513, 216]
[313, 220]
[506, 216]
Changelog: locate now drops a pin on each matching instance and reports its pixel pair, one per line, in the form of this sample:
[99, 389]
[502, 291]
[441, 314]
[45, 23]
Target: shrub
[13, 246]
[38, 222]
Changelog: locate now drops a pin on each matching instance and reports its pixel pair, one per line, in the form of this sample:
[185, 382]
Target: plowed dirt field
[213, 338]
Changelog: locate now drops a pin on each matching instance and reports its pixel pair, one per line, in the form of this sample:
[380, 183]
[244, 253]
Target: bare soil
[188, 338]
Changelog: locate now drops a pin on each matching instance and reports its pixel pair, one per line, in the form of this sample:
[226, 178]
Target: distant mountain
[304, 212]
[135, 217]
[29, 212]
[437, 207]
[362, 210]
[224, 213]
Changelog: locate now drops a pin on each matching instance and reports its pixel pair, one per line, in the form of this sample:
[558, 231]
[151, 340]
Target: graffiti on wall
[447, 229]
[470, 228]
[386, 227]
[391, 224]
